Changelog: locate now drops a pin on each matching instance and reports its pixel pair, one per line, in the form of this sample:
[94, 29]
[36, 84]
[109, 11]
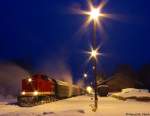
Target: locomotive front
[36, 89]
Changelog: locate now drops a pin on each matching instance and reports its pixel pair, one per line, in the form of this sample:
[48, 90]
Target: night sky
[40, 31]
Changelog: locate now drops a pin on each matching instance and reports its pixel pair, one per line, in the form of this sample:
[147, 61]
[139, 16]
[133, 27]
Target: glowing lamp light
[35, 93]
[29, 79]
[94, 53]
[23, 93]
[89, 89]
[94, 13]
[85, 75]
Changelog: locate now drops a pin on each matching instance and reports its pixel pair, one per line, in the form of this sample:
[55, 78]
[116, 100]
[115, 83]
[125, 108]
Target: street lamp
[85, 75]
[94, 15]
[94, 53]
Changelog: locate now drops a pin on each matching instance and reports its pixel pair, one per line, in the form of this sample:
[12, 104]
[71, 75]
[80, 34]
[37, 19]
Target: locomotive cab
[35, 89]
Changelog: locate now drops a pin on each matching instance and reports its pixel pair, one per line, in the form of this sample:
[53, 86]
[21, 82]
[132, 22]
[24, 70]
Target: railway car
[40, 89]
[76, 90]
[103, 90]
[63, 89]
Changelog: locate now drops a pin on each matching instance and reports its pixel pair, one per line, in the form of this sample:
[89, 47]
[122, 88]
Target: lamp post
[95, 66]
[94, 15]
[94, 53]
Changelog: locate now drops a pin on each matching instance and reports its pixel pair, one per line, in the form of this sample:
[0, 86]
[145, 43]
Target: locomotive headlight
[35, 93]
[23, 93]
[29, 79]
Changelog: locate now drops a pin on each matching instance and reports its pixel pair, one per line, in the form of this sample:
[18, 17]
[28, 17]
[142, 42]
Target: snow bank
[132, 93]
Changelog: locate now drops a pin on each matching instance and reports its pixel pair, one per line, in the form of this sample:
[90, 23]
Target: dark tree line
[144, 75]
[126, 77]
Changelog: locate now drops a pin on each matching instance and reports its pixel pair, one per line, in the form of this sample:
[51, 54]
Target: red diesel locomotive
[40, 89]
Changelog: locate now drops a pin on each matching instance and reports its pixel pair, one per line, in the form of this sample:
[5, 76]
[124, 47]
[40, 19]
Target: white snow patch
[132, 93]
[78, 106]
[133, 90]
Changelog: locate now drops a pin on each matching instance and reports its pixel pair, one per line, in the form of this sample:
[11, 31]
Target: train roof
[48, 77]
[63, 83]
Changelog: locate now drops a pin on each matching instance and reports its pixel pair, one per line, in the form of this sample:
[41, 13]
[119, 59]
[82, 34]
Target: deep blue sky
[39, 31]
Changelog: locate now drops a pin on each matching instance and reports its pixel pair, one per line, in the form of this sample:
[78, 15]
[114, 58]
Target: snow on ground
[79, 106]
[132, 93]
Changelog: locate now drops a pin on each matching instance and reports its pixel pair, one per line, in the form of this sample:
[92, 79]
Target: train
[103, 90]
[39, 88]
